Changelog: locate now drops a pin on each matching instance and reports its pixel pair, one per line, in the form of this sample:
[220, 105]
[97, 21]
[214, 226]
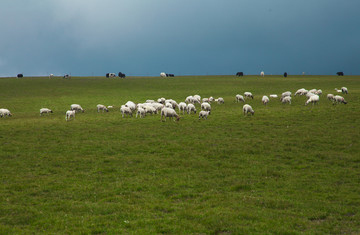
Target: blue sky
[184, 37]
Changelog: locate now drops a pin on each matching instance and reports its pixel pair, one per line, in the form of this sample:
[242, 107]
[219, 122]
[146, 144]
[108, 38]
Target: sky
[183, 37]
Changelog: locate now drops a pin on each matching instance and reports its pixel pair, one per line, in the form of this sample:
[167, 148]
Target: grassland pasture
[288, 169]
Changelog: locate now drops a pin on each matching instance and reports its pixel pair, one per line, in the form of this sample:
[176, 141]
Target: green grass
[288, 169]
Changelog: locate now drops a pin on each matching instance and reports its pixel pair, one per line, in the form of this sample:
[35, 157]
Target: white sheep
[313, 91]
[131, 105]
[286, 99]
[286, 93]
[189, 108]
[265, 100]
[220, 100]
[239, 98]
[150, 109]
[173, 103]
[102, 108]
[339, 99]
[211, 99]
[206, 106]
[161, 100]
[125, 110]
[76, 107]
[150, 101]
[141, 112]
[51, 75]
[262, 74]
[338, 91]
[45, 110]
[182, 107]
[70, 114]
[273, 96]
[309, 94]
[318, 92]
[248, 109]
[205, 100]
[248, 94]
[203, 114]
[110, 107]
[312, 99]
[344, 90]
[170, 113]
[301, 91]
[197, 99]
[163, 75]
[169, 105]
[5, 112]
[330, 97]
[189, 99]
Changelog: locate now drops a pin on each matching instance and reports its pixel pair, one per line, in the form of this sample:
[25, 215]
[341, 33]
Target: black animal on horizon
[285, 75]
[121, 75]
[20, 75]
[340, 73]
[170, 75]
[239, 74]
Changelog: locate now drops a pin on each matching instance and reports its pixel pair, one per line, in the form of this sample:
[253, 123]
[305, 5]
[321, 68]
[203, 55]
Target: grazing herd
[167, 107]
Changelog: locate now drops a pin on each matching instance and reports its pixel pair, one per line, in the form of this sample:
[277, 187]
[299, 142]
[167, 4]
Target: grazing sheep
[163, 75]
[161, 100]
[131, 105]
[301, 91]
[125, 110]
[157, 106]
[141, 112]
[205, 100]
[318, 92]
[338, 91]
[76, 107]
[239, 98]
[150, 101]
[206, 106]
[203, 114]
[70, 114]
[189, 108]
[170, 113]
[265, 99]
[51, 75]
[330, 97]
[248, 94]
[197, 99]
[273, 96]
[211, 99]
[309, 94]
[101, 107]
[5, 112]
[313, 91]
[286, 99]
[168, 105]
[248, 109]
[189, 99]
[173, 103]
[262, 74]
[344, 90]
[182, 107]
[220, 100]
[150, 109]
[312, 99]
[110, 107]
[286, 93]
[339, 99]
[45, 110]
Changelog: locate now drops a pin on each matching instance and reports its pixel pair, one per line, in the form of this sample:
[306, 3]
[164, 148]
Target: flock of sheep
[167, 107]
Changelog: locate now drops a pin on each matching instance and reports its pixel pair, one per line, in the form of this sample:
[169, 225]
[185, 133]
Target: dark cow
[67, 76]
[171, 75]
[121, 75]
[20, 75]
[239, 74]
[340, 73]
[107, 75]
[285, 75]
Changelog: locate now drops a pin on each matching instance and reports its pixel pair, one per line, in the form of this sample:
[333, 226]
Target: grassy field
[288, 169]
